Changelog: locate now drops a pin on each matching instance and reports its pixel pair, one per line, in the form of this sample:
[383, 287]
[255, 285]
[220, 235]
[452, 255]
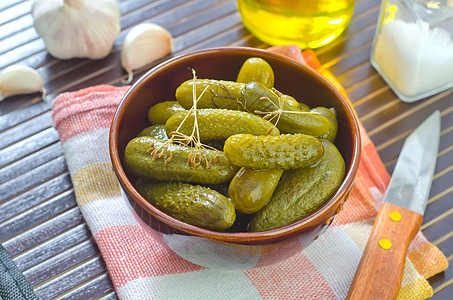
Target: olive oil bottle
[306, 23]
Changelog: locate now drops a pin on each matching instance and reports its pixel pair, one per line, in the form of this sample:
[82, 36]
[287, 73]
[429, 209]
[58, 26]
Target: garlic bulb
[144, 44]
[19, 79]
[77, 28]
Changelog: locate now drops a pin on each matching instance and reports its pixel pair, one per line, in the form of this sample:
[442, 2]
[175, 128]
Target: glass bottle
[413, 47]
[306, 23]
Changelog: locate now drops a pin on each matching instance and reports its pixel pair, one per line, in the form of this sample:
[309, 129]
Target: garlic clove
[20, 79]
[77, 28]
[144, 44]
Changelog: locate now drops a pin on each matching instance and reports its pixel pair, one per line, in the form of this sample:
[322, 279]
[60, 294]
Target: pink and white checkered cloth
[141, 268]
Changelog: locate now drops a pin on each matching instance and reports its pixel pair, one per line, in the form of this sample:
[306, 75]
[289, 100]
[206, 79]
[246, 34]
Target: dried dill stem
[141, 158]
[225, 99]
[271, 115]
[264, 101]
[199, 156]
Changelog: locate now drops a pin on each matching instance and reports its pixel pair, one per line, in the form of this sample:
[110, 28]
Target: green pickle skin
[193, 204]
[138, 161]
[302, 191]
[250, 189]
[293, 103]
[299, 121]
[217, 94]
[286, 151]
[155, 131]
[215, 124]
[256, 69]
[160, 112]
[331, 115]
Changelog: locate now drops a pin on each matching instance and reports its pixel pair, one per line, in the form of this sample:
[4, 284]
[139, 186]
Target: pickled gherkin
[294, 104]
[214, 124]
[256, 69]
[160, 112]
[331, 115]
[302, 191]
[174, 166]
[259, 98]
[155, 131]
[211, 94]
[286, 151]
[250, 189]
[193, 204]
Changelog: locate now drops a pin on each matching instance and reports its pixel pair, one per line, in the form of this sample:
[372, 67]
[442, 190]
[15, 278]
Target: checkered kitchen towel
[142, 269]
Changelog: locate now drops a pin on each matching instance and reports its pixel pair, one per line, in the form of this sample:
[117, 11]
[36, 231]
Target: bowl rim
[236, 237]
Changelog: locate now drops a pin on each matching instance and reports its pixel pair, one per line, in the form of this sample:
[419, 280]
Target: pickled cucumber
[217, 94]
[256, 69]
[294, 104]
[160, 112]
[193, 204]
[250, 189]
[302, 191]
[331, 115]
[257, 97]
[139, 161]
[216, 124]
[155, 131]
[286, 151]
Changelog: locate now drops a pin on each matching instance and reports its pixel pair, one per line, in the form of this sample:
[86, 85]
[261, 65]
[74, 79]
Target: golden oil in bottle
[306, 23]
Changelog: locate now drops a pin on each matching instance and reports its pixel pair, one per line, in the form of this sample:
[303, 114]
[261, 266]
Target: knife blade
[381, 267]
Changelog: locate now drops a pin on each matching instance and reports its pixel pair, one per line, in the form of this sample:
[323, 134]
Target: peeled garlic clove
[77, 28]
[144, 44]
[19, 79]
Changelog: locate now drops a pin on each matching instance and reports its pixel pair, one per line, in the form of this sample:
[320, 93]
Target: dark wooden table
[40, 223]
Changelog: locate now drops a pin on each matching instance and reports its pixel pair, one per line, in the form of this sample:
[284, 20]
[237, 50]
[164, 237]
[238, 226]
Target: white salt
[414, 59]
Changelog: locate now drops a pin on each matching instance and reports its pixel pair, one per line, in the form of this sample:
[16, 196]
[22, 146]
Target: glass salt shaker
[413, 47]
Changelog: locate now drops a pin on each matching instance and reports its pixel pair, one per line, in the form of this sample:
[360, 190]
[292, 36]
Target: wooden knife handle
[381, 267]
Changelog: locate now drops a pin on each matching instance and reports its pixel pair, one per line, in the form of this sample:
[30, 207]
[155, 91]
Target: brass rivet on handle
[395, 216]
[385, 244]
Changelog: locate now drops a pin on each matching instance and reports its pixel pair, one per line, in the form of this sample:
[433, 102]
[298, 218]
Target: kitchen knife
[381, 267]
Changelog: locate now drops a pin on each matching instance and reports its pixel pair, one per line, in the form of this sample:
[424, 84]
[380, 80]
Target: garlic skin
[144, 44]
[77, 28]
[20, 79]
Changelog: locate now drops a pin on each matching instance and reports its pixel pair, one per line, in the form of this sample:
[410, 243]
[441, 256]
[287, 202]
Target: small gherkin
[286, 151]
[193, 204]
[215, 124]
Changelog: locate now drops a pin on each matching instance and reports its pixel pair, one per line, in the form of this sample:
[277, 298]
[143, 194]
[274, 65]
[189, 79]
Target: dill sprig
[199, 155]
[275, 115]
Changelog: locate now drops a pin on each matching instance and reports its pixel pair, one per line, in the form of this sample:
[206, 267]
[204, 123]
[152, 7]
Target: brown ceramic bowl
[232, 250]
